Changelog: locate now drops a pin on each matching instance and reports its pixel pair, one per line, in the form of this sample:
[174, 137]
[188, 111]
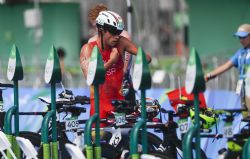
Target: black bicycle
[170, 147]
[65, 106]
[235, 142]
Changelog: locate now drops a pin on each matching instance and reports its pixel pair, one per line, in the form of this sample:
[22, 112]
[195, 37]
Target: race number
[120, 119]
[72, 123]
[183, 125]
[116, 137]
[228, 130]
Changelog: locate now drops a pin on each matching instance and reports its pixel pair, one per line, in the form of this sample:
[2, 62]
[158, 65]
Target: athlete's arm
[127, 56]
[126, 45]
[84, 58]
[114, 56]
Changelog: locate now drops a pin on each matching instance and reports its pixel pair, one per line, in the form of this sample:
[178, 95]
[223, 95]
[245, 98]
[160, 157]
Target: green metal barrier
[96, 76]
[52, 76]
[195, 84]
[141, 81]
[14, 73]
[246, 150]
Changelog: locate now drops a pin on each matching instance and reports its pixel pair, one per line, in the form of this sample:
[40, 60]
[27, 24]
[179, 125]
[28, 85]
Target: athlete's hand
[114, 56]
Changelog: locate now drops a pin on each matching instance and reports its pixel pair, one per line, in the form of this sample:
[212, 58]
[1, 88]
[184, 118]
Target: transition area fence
[172, 72]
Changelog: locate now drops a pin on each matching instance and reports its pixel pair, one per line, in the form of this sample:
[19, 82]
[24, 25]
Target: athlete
[110, 26]
[127, 85]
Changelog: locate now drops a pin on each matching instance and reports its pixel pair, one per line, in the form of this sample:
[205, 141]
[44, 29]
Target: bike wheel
[153, 141]
[233, 154]
[109, 152]
[180, 152]
[161, 155]
[174, 149]
[34, 138]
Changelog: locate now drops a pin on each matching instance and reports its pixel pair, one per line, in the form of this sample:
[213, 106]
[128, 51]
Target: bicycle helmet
[207, 117]
[152, 107]
[110, 21]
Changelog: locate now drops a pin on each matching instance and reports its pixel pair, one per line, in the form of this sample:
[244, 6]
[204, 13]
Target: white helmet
[110, 21]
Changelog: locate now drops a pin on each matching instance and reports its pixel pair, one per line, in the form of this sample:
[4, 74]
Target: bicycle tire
[233, 154]
[161, 155]
[153, 141]
[179, 146]
[156, 142]
[35, 139]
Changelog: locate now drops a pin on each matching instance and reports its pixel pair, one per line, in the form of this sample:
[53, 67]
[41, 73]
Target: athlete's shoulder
[93, 38]
[86, 49]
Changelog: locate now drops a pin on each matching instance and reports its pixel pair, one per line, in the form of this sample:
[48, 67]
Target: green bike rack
[95, 76]
[52, 76]
[141, 81]
[14, 73]
[195, 84]
[246, 147]
[246, 150]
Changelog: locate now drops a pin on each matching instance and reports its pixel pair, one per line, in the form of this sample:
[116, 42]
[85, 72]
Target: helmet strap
[102, 41]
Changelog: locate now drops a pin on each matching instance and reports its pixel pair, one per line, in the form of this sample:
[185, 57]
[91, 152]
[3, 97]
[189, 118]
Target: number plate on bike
[120, 119]
[72, 123]
[183, 125]
[228, 130]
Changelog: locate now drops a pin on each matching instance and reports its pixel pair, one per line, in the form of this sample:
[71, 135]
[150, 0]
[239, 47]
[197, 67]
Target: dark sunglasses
[112, 30]
[243, 37]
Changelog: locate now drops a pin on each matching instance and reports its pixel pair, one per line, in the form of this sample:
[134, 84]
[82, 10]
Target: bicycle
[169, 147]
[66, 103]
[122, 124]
[235, 142]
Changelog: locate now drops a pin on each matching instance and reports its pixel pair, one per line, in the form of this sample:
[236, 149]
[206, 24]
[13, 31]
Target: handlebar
[231, 111]
[67, 103]
[124, 106]
[82, 100]
[2, 85]
[170, 113]
[72, 109]
[64, 101]
[229, 114]
[188, 103]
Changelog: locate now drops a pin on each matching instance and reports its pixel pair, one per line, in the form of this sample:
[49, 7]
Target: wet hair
[94, 12]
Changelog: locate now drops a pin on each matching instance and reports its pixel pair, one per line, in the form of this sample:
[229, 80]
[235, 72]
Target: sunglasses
[243, 37]
[112, 30]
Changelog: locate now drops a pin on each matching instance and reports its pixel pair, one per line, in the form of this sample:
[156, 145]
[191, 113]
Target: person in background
[110, 27]
[66, 76]
[240, 60]
[127, 85]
